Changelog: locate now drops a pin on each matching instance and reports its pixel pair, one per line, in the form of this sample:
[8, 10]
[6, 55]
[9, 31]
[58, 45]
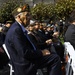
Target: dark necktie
[25, 33]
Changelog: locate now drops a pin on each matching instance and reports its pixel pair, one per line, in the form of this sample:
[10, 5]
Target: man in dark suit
[70, 33]
[24, 57]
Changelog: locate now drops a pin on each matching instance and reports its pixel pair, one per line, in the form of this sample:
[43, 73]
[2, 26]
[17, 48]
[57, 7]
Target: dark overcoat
[70, 35]
[21, 50]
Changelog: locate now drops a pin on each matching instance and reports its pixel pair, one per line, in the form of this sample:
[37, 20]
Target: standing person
[70, 33]
[25, 58]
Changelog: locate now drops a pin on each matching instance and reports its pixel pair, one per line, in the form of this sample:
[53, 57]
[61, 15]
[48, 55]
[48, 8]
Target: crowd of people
[35, 45]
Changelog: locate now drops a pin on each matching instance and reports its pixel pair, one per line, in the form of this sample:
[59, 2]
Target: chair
[70, 65]
[11, 68]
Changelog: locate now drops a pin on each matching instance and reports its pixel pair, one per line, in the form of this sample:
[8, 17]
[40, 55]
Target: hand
[46, 52]
[56, 34]
[49, 41]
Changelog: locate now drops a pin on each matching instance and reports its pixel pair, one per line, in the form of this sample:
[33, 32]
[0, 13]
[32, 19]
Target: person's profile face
[25, 18]
[8, 25]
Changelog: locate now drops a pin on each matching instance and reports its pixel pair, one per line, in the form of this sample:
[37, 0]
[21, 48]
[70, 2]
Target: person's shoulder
[15, 24]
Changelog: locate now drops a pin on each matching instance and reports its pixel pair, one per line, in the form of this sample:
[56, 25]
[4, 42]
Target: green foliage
[7, 8]
[61, 39]
[42, 11]
[63, 8]
[60, 10]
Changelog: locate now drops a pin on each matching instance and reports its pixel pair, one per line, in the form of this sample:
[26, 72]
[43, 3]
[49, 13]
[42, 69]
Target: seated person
[59, 47]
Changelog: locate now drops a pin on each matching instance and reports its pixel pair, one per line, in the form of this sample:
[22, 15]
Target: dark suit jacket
[21, 51]
[70, 35]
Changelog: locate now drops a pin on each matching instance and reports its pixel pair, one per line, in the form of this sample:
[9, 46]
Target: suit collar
[23, 28]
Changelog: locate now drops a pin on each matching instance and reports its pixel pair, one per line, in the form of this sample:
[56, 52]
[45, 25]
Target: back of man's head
[72, 16]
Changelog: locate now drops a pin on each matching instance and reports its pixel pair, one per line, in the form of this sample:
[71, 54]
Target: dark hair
[72, 16]
[9, 22]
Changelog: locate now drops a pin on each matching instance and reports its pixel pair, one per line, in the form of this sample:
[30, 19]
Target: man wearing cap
[24, 57]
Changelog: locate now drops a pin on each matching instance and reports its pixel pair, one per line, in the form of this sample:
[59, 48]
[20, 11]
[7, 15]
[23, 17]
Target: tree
[59, 10]
[42, 11]
[7, 8]
[63, 8]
